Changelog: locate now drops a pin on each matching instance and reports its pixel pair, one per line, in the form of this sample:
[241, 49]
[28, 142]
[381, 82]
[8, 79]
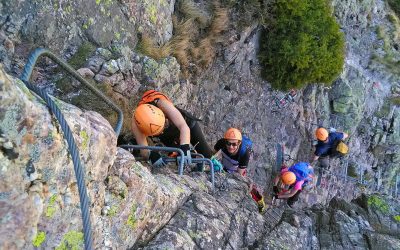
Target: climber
[326, 146]
[233, 155]
[234, 151]
[290, 182]
[156, 116]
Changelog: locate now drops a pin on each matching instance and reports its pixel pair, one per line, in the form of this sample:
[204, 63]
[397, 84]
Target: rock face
[39, 196]
[132, 207]
[65, 25]
[362, 101]
[227, 219]
[39, 186]
[342, 225]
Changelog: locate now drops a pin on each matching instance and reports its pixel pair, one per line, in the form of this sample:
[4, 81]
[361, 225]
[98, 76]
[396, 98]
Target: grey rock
[109, 68]
[85, 72]
[102, 79]
[104, 53]
[95, 63]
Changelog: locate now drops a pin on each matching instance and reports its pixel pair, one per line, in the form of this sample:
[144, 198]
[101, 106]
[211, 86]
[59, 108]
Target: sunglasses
[234, 144]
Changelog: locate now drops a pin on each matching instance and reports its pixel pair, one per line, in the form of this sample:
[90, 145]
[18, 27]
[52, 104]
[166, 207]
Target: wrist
[185, 148]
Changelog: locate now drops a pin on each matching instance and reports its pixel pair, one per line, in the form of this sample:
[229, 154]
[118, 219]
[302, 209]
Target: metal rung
[180, 152]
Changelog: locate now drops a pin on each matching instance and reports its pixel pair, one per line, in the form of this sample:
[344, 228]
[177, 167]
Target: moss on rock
[378, 203]
[51, 208]
[85, 139]
[78, 60]
[72, 240]
[39, 239]
[132, 221]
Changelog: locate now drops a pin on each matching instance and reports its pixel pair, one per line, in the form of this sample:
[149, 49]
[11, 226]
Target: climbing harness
[80, 176]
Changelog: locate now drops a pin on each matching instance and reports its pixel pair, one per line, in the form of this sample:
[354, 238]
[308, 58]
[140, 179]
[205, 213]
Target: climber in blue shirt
[326, 145]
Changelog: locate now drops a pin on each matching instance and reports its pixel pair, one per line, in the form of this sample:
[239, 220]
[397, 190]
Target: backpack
[303, 171]
[341, 148]
[246, 144]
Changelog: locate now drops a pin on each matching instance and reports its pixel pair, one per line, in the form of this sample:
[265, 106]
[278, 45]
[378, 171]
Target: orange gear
[321, 134]
[151, 95]
[149, 119]
[288, 178]
[233, 134]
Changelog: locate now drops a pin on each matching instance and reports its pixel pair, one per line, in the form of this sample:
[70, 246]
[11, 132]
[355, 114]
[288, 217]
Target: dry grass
[396, 23]
[191, 11]
[185, 28]
[181, 42]
[220, 21]
[196, 26]
[148, 47]
[204, 53]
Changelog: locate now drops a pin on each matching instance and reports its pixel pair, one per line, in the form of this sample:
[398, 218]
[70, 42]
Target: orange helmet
[233, 134]
[321, 134]
[288, 178]
[149, 119]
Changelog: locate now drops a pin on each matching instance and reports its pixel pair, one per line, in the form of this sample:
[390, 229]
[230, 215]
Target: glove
[187, 157]
[332, 130]
[217, 165]
[185, 148]
[157, 160]
[275, 189]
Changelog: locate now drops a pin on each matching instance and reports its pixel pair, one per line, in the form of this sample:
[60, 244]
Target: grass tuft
[220, 21]
[191, 11]
[196, 26]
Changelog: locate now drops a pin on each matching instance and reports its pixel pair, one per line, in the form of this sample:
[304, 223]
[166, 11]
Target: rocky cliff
[134, 207]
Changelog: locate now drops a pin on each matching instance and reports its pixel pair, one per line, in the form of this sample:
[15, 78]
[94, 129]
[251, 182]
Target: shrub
[302, 45]
[395, 5]
[378, 203]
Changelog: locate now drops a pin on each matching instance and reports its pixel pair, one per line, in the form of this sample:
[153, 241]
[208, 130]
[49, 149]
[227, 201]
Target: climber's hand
[156, 159]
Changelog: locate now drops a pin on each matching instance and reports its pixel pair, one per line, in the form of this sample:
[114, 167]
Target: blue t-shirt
[326, 148]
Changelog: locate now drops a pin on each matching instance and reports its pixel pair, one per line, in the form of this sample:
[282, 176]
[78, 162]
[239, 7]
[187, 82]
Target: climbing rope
[80, 177]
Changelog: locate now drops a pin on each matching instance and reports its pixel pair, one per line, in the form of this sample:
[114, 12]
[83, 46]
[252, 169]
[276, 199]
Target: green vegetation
[397, 218]
[39, 239]
[113, 211]
[51, 207]
[85, 139]
[302, 45]
[72, 240]
[78, 60]
[395, 5]
[351, 171]
[132, 221]
[389, 35]
[378, 203]
[395, 100]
